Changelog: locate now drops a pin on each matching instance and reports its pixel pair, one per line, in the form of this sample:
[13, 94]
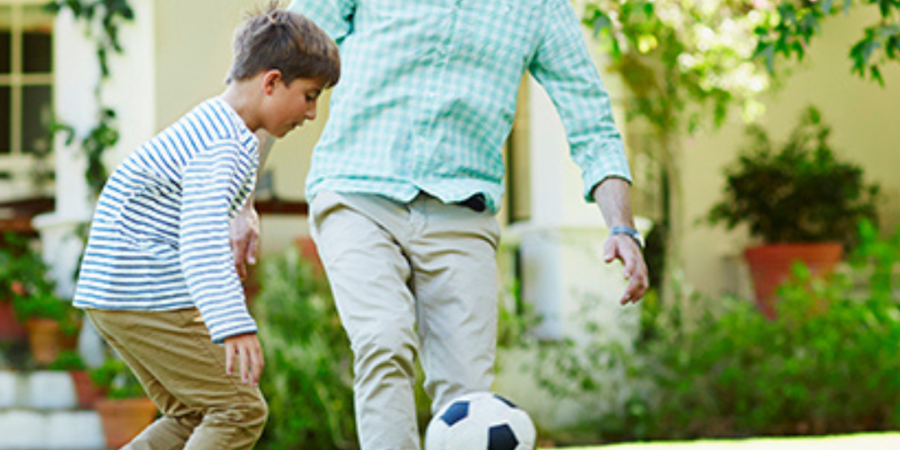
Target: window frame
[17, 164]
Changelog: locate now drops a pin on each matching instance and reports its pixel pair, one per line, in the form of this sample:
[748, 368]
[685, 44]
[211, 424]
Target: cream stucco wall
[864, 116]
[193, 54]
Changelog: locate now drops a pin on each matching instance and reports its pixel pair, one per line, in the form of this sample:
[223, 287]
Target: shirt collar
[241, 132]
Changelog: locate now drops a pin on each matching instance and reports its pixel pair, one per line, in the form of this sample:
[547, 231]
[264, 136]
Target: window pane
[37, 40]
[5, 52]
[37, 105]
[37, 56]
[5, 119]
[5, 39]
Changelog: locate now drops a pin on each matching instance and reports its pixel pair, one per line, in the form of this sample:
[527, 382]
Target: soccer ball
[480, 421]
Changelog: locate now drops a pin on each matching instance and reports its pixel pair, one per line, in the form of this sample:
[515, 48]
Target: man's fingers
[630, 265]
[609, 252]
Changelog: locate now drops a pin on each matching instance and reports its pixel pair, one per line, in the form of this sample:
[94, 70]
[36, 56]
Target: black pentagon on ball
[455, 412]
[506, 400]
[501, 437]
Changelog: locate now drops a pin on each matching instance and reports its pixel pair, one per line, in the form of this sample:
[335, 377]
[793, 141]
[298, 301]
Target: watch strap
[630, 232]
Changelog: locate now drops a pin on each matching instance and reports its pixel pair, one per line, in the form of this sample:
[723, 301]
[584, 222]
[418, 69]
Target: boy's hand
[249, 353]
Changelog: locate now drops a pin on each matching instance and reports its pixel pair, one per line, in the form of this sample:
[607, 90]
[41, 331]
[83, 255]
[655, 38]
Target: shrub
[307, 380]
[827, 364]
[116, 379]
[718, 368]
[800, 192]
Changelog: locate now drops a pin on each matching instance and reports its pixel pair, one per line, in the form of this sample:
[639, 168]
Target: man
[407, 176]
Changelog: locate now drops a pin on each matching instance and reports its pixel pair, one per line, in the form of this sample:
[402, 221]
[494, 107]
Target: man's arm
[563, 66]
[613, 196]
[243, 233]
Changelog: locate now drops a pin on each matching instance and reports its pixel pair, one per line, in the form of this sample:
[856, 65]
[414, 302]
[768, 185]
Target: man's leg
[183, 372]
[359, 241]
[455, 278]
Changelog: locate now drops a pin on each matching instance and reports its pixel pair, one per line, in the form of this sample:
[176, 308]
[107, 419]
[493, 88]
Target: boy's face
[289, 105]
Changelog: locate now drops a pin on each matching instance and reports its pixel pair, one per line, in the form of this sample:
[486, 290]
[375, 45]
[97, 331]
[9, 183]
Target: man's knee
[384, 352]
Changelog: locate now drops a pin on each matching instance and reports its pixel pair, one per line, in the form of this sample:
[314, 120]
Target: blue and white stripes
[159, 239]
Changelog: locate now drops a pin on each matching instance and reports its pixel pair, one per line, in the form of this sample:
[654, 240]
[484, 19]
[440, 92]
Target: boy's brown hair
[287, 41]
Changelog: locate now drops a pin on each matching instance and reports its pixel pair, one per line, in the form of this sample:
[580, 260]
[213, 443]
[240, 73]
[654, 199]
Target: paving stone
[7, 390]
[80, 430]
[51, 390]
[22, 430]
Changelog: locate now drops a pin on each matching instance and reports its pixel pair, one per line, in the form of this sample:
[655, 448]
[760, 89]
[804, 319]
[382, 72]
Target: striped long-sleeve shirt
[159, 237]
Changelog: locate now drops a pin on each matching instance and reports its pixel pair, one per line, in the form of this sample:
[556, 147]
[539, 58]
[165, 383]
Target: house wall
[864, 117]
[193, 55]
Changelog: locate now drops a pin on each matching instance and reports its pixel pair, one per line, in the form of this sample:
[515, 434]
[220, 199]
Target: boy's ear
[270, 79]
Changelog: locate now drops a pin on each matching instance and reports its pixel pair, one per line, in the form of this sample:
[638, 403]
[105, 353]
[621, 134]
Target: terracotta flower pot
[10, 328]
[87, 393]
[124, 419]
[770, 266]
[45, 339]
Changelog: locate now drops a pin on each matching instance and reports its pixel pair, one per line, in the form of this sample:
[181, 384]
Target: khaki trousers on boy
[407, 277]
[183, 372]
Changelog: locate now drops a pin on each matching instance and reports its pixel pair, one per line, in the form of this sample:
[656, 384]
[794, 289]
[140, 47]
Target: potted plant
[125, 410]
[14, 259]
[800, 200]
[52, 323]
[85, 389]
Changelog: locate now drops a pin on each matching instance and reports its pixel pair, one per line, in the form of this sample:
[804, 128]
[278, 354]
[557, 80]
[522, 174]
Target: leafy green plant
[797, 22]
[116, 379]
[22, 270]
[800, 192]
[68, 360]
[307, 381]
[42, 305]
[706, 367]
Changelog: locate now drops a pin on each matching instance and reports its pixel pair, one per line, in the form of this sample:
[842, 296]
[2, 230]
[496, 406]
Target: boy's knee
[249, 417]
[256, 416]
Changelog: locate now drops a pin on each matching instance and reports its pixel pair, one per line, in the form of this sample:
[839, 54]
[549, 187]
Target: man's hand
[623, 248]
[246, 348]
[244, 238]
[613, 196]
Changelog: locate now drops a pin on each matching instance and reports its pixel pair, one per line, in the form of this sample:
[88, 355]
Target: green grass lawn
[873, 441]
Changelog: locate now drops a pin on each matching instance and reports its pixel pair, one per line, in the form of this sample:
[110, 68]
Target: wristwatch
[630, 232]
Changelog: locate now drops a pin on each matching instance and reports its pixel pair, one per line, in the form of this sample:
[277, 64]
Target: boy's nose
[311, 113]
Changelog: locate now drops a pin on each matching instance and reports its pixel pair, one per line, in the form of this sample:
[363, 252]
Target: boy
[158, 280]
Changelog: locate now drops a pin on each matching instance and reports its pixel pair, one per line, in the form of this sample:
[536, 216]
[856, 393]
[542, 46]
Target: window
[26, 93]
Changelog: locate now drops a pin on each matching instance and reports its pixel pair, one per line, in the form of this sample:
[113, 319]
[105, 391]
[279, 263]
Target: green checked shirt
[428, 93]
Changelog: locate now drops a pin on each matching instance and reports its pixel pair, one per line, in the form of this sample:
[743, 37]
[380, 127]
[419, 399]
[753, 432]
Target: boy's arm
[333, 16]
[563, 66]
[211, 182]
[244, 229]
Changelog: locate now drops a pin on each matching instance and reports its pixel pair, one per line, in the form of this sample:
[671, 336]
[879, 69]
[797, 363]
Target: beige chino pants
[408, 278]
[183, 372]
